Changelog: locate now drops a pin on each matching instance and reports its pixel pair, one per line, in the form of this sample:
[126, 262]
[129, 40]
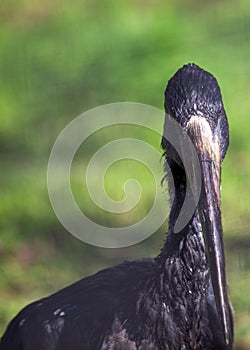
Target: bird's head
[193, 99]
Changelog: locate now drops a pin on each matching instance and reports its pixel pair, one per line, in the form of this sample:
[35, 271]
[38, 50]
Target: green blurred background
[61, 58]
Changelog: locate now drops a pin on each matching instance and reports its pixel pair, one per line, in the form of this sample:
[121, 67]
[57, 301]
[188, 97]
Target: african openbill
[177, 300]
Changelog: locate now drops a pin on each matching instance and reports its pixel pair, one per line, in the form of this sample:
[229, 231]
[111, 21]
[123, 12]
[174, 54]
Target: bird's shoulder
[125, 273]
[77, 305]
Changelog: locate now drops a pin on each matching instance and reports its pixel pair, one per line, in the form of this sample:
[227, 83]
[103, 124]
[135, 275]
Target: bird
[177, 300]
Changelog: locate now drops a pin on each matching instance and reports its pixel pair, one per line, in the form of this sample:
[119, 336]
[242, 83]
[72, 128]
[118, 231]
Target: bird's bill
[207, 145]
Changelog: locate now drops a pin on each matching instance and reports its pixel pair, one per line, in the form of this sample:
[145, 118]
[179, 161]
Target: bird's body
[156, 304]
[166, 303]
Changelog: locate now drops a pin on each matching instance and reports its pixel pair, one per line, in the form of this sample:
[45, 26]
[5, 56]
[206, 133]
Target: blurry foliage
[59, 59]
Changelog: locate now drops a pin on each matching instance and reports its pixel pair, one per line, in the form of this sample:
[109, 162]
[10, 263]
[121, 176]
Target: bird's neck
[178, 243]
[183, 279]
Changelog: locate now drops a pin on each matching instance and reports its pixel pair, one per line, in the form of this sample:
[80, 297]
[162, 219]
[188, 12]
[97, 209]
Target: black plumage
[173, 301]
